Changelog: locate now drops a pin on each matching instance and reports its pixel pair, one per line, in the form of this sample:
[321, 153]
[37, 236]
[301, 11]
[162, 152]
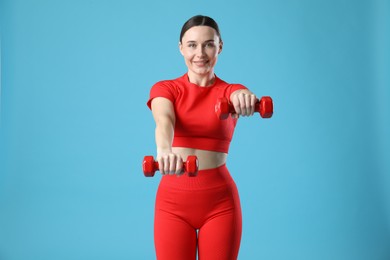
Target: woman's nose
[200, 51]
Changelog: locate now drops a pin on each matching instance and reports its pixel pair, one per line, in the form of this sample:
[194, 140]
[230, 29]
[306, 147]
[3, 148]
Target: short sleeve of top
[197, 125]
[165, 89]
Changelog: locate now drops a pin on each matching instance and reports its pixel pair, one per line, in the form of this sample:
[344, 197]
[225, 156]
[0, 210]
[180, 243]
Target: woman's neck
[201, 80]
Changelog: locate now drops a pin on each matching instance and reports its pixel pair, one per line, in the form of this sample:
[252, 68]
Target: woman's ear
[220, 46]
[181, 48]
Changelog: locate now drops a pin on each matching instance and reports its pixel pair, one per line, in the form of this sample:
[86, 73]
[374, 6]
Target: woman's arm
[244, 102]
[164, 116]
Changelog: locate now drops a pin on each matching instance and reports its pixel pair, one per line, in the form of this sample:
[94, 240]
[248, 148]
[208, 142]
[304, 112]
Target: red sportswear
[197, 126]
[198, 215]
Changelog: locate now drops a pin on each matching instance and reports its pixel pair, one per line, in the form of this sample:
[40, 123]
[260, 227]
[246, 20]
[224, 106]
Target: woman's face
[200, 47]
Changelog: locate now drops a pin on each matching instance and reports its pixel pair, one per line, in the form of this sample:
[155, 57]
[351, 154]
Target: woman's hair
[199, 20]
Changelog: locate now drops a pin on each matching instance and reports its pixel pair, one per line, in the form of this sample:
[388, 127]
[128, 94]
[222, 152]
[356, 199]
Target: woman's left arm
[243, 101]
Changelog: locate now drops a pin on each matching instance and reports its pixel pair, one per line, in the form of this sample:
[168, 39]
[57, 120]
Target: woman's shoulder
[168, 88]
[224, 84]
[170, 83]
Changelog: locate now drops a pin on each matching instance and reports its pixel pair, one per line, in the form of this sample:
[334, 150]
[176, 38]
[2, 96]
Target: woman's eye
[192, 45]
[210, 45]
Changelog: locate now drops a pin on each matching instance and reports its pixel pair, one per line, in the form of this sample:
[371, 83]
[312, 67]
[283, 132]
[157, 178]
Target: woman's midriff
[207, 159]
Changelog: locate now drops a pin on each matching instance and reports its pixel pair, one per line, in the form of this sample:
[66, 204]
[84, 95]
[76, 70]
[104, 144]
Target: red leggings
[201, 212]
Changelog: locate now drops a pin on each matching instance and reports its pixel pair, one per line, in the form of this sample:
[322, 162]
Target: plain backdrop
[314, 180]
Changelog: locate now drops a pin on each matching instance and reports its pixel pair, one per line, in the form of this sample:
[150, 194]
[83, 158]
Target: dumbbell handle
[232, 110]
[156, 166]
[264, 107]
[190, 166]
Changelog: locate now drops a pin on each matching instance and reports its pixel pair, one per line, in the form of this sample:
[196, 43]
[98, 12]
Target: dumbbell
[265, 107]
[150, 166]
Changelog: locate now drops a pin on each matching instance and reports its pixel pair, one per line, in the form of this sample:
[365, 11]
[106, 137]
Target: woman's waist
[206, 159]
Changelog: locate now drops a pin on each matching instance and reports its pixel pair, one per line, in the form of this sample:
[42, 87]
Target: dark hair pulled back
[199, 20]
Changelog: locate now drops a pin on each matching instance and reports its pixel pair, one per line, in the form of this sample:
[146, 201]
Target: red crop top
[197, 125]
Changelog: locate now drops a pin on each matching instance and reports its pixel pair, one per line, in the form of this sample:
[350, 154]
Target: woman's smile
[201, 63]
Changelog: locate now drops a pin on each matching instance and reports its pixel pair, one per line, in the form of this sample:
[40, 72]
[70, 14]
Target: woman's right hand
[170, 163]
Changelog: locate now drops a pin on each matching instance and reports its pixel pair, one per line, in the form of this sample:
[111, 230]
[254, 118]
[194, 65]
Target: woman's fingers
[170, 163]
[244, 104]
[242, 99]
[179, 167]
[253, 100]
[161, 164]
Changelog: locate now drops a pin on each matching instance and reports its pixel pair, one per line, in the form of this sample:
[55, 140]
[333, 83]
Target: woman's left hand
[243, 102]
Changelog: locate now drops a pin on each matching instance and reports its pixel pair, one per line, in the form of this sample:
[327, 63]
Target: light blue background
[75, 75]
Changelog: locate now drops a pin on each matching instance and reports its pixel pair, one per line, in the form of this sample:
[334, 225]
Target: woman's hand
[170, 163]
[243, 102]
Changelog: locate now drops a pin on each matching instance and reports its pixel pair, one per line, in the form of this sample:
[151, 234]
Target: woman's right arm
[164, 116]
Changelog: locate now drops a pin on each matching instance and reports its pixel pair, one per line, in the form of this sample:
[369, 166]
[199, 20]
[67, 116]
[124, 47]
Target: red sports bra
[197, 126]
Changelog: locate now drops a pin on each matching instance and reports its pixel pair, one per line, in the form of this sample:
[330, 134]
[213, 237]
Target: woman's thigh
[173, 237]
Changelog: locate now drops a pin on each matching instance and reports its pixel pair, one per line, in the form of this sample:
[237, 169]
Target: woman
[199, 214]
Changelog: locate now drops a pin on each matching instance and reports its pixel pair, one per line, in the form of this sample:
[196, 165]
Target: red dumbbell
[265, 107]
[150, 166]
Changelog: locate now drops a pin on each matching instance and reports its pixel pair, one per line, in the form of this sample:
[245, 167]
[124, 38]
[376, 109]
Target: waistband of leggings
[205, 179]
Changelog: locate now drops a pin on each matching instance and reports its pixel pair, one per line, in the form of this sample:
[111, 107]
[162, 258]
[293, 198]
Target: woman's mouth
[200, 63]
